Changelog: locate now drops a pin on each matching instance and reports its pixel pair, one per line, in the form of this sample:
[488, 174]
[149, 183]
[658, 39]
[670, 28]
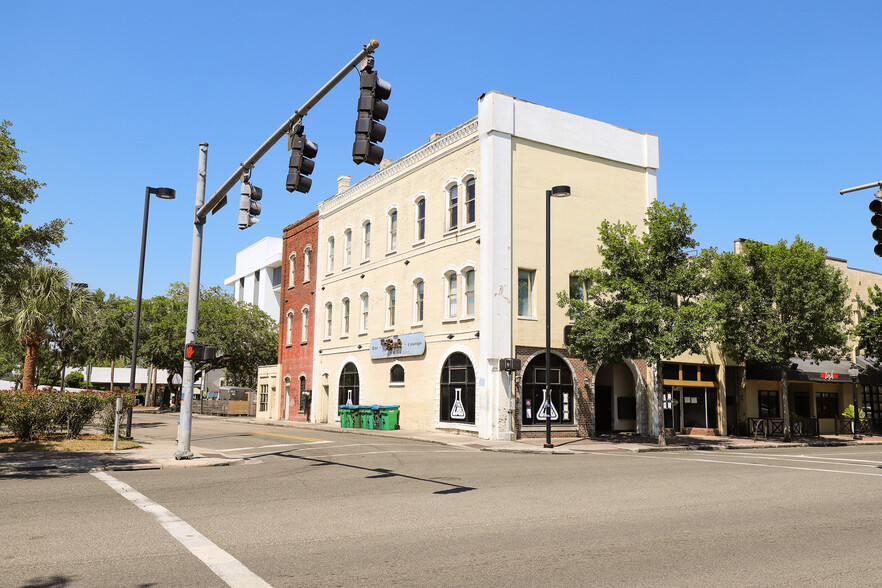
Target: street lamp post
[556, 192]
[165, 194]
[853, 371]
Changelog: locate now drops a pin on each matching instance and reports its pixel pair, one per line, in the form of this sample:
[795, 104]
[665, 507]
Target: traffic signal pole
[215, 203]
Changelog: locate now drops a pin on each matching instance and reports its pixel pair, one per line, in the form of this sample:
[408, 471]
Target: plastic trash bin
[346, 417]
[389, 417]
[369, 416]
[354, 415]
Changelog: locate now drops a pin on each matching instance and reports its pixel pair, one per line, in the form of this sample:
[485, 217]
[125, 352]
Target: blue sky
[764, 110]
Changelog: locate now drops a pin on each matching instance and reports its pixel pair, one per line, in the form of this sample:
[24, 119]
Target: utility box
[510, 364]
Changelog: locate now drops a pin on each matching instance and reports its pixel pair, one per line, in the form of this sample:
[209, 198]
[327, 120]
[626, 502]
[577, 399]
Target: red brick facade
[296, 359]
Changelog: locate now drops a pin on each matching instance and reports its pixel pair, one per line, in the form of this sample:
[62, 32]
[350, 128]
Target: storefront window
[768, 404]
[457, 390]
[827, 405]
[533, 392]
[347, 390]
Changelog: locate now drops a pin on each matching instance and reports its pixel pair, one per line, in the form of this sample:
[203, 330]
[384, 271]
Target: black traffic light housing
[301, 164]
[371, 109]
[200, 352]
[876, 209]
[249, 207]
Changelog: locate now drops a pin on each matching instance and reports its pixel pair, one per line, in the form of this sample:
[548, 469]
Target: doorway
[603, 416]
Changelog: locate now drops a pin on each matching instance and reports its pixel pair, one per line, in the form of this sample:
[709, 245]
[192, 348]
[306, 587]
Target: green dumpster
[355, 415]
[346, 416]
[388, 417]
[369, 416]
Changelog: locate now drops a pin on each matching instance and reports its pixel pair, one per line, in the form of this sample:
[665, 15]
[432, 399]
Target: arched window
[468, 278]
[450, 295]
[307, 263]
[470, 201]
[452, 208]
[365, 301]
[366, 241]
[457, 390]
[533, 392]
[330, 254]
[419, 288]
[390, 306]
[287, 395]
[289, 328]
[344, 327]
[393, 230]
[291, 265]
[304, 325]
[329, 311]
[421, 219]
[348, 387]
[304, 399]
[396, 374]
[347, 248]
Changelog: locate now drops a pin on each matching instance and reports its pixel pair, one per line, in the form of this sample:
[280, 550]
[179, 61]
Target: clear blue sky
[764, 110]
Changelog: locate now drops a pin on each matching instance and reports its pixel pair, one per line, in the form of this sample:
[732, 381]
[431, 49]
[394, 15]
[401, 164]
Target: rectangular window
[827, 404]
[470, 202]
[768, 404]
[277, 276]
[577, 289]
[345, 317]
[418, 302]
[421, 220]
[347, 244]
[364, 312]
[452, 209]
[451, 296]
[264, 397]
[329, 311]
[330, 254]
[469, 277]
[526, 278]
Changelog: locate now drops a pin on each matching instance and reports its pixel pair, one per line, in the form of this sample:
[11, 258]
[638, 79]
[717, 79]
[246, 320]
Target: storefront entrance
[348, 388]
[688, 407]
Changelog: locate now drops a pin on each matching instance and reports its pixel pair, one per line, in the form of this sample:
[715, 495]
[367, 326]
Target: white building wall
[256, 267]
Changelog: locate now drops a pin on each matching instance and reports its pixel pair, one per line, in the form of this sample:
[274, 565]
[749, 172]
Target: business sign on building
[398, 346]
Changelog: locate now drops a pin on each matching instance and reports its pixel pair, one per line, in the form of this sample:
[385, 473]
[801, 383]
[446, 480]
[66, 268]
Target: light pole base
[858, 437]
[183, 454]
[548, 446]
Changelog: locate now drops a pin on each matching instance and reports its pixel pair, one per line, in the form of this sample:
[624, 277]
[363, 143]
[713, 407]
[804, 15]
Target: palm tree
[29, 307]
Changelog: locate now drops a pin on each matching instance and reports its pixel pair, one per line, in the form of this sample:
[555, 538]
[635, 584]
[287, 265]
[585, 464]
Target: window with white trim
[366, 241]
[329, 313]
[396, 374]
[421, 219]
[307, 263]
[304, 325]
[390, 306]
[468, 278]
[452, 208]
[344, 330]
[393, 231]
[289, 328]
[419, 288]
[330, 255]
[526, 279]
[347, 248]
[292, 259]
[450, 304]
[365, 301]
[469, 203]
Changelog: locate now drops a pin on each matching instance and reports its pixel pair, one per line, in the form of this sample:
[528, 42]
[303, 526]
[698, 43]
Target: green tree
[40, 299]
[869, 327]
[20, 243]
[777, 302]
[646, 299]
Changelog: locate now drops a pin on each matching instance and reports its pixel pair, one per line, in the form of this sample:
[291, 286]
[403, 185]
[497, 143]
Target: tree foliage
[20, 243]
[777, 302]
[245, 336]
[646, 299]
[869, 326]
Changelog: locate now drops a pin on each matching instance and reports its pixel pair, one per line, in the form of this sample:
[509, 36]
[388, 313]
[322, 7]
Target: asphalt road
[334, 509]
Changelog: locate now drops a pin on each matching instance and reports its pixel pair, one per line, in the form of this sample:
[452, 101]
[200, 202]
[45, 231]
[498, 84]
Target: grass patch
[10, 444]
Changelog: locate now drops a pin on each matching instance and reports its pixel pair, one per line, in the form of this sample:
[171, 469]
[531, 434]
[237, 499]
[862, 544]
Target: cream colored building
[432, 269]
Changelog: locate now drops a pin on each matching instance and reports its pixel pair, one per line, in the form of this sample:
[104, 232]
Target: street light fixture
[853, 371]
[165, 194]
[555, 192]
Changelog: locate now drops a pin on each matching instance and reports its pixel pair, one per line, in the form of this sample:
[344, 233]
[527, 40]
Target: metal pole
[138, 310]
[864, 187]
[856, 431]
[548, 443]
[186, 415]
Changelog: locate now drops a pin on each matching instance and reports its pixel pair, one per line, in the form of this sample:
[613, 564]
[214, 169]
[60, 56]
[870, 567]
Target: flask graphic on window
[349, 398]
[458, 411]
[542, 413]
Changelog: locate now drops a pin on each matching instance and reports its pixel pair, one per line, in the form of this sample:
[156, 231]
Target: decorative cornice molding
[470, 127]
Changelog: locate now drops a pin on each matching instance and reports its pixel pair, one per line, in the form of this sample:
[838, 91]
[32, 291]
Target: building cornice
[470, 127]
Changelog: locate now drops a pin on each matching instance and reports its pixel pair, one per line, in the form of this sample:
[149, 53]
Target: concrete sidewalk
[159, 454]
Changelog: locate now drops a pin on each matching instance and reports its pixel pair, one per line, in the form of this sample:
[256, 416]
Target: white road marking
[224, 565]
[765, 465]
[276, 445]
[867, 463]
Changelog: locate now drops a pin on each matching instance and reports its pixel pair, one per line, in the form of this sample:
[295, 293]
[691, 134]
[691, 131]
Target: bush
[29, 414]
[75, 410]
[108, 416]
[74, 380]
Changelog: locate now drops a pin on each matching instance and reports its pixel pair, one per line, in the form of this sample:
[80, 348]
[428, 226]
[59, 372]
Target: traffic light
[249, 207]
[371, 109]
[876, 209]
[200, 352]
[301, 164]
